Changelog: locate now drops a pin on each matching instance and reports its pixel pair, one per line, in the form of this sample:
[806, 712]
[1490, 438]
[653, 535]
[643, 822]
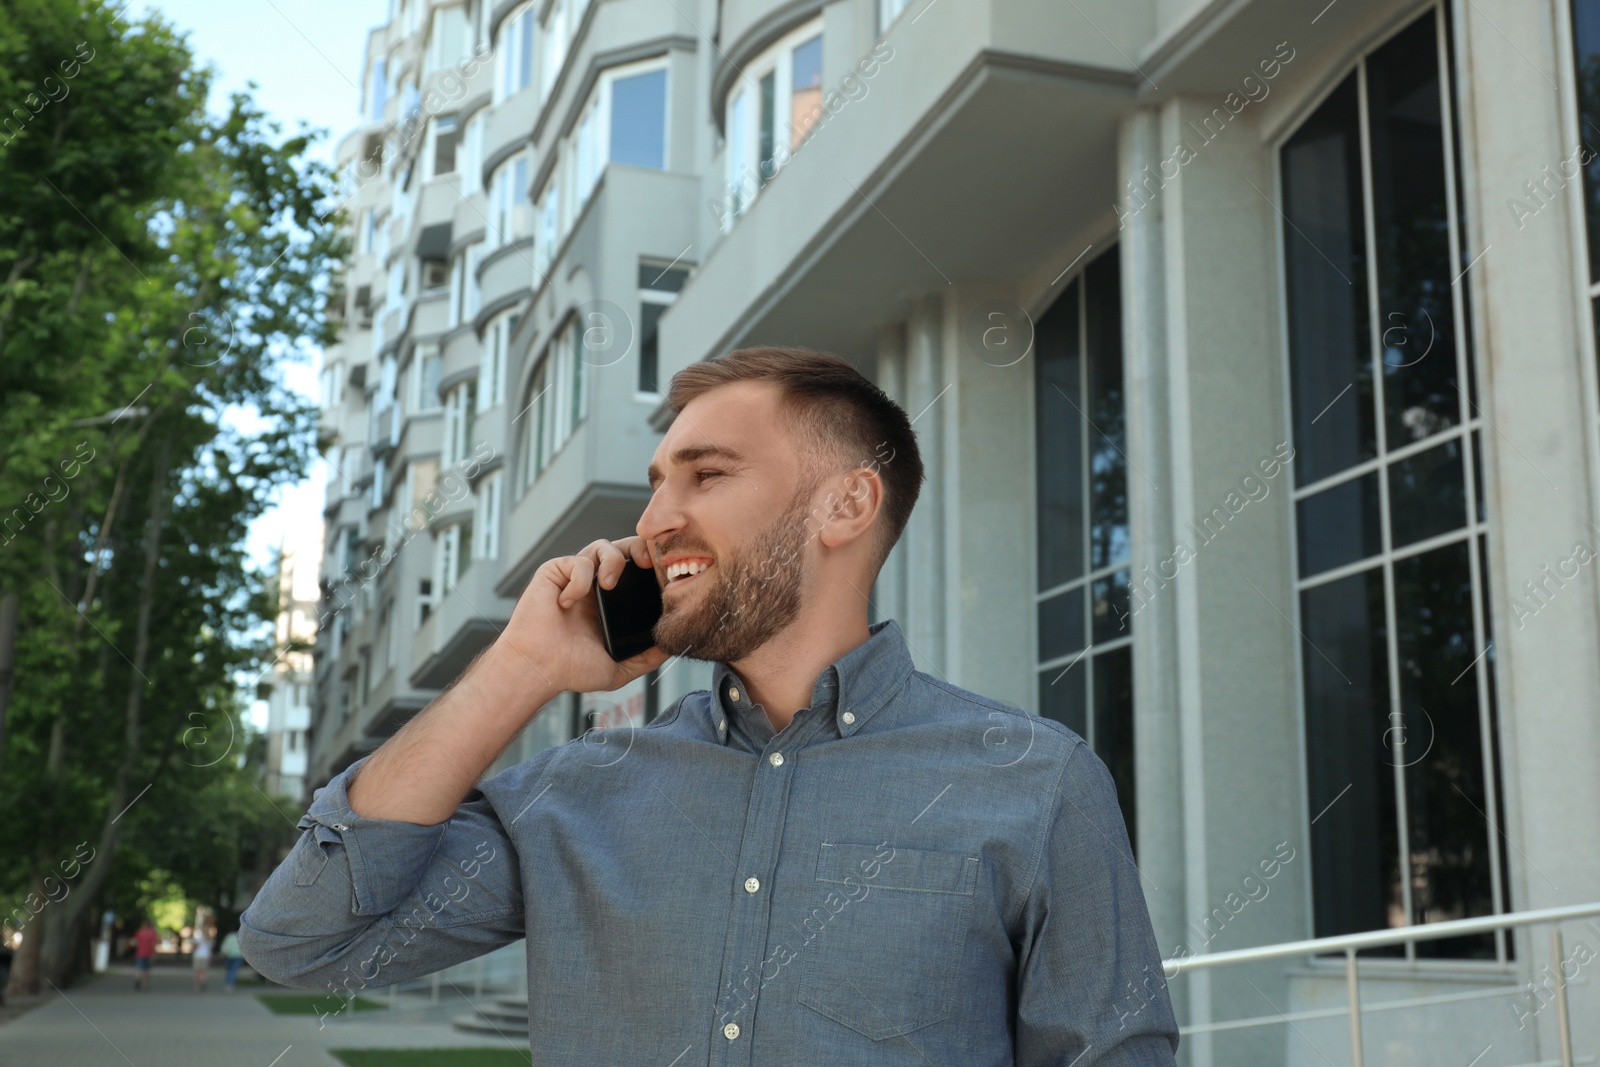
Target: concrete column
[1158, 757]
[923, 623]
[1237, 705]
[889, 595]
[987, 429]
[1536, 382]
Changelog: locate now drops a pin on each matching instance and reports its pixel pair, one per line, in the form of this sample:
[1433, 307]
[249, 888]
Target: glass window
[1412, 222]
[556, 402]
[658, 288]
[514, 71]
[445, 137]
[805, 93]
[488, 519]
[429, 366]
[548, 229]
[762, 135]
[1324, 251]
[509, 193]
[492, 369]
[553, 42]
[378, 89]
[1339, 525]
[639, 119]
[1398, 681]
[888, 11]
[734, 159]
[446, 43]
[650, 314]
[472, 158]
[768, 163]
[1084, 602]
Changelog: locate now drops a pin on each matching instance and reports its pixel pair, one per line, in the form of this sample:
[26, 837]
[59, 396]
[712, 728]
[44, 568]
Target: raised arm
[403, 867]
[552, 644]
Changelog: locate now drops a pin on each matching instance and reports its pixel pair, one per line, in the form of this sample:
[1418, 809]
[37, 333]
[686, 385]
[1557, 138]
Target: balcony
[436, 203]
[505, 277]
[462, 624]
[430, 314]
[1043, 94]
[471, 219]
[509, 126]
[462, 352]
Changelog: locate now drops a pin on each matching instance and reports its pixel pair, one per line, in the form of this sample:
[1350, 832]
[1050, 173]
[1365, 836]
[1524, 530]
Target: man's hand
[552, 645]
[555, 628]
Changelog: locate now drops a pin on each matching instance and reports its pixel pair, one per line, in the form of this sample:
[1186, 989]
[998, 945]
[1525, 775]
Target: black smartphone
[629, 610]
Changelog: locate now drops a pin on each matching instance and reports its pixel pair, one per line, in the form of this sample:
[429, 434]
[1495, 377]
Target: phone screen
[629, 610]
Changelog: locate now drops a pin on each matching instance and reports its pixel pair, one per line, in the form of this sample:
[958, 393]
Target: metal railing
[501, 972]
[1350, 944]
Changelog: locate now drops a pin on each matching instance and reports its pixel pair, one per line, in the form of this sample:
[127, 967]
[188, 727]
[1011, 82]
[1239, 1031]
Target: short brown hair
[836, 410]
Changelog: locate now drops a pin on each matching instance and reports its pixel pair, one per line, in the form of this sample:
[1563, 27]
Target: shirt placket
[751, 915]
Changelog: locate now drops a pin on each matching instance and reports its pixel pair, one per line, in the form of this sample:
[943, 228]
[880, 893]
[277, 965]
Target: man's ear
[852, 506]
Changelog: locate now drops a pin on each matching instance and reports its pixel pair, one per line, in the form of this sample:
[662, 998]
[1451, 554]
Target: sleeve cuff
[387, 858]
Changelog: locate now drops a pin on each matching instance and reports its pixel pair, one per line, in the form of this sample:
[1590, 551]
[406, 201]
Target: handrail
[1379, 938]
[1350, 944]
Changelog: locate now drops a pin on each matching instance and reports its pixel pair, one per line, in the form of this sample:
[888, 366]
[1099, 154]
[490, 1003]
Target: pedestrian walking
[232, 958]
[201, 958]
[144, 954]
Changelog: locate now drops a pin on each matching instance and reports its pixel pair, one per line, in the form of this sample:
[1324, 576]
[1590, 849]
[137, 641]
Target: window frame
[742, 124]
[517, 49]
[1474, 448]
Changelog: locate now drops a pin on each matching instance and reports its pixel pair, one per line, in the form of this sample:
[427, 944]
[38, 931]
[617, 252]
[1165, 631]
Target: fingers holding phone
[556, 625]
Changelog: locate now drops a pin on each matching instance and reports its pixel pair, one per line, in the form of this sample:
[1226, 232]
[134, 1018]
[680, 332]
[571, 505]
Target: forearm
[422, 774]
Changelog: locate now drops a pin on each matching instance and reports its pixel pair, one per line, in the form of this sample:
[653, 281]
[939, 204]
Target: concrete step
[477, 1024]
[503, 1015]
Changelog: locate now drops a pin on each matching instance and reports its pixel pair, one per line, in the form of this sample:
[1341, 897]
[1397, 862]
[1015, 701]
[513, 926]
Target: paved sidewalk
[107, 1023]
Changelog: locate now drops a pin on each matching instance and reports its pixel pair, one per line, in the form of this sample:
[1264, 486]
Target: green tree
[161, 265]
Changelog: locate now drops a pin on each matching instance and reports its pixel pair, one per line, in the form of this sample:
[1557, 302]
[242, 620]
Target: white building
[289, 691]
[1251, 353]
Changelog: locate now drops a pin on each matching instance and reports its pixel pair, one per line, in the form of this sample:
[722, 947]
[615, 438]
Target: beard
[753, 594]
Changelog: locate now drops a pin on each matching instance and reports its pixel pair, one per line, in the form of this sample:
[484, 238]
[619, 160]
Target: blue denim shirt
[907, 874]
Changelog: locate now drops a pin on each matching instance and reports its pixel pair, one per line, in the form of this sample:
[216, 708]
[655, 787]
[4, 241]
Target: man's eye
[703, 475]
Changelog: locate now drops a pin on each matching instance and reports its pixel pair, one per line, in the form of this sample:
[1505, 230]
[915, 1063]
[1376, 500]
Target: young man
[830, 858]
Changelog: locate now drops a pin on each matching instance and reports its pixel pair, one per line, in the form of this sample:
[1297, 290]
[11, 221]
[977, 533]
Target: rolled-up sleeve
[363, 903]
[1090, 987]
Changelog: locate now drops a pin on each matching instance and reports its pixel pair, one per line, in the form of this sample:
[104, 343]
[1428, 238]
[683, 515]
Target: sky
[305, 58]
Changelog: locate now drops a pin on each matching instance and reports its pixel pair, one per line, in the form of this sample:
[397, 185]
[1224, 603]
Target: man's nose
[661, 518]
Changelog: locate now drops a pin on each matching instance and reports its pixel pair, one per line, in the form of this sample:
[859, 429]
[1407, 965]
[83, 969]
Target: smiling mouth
[685, 571]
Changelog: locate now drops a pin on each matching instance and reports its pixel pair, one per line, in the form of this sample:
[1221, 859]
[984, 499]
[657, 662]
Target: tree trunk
[8, 653]
[57, 952]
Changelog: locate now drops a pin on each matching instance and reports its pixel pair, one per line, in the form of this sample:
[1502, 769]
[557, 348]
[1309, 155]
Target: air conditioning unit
[435, 273]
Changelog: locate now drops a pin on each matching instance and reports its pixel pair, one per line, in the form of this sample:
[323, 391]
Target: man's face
[732, 490]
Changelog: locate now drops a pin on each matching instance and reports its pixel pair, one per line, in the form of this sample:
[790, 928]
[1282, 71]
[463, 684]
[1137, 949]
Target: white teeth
[685, 567]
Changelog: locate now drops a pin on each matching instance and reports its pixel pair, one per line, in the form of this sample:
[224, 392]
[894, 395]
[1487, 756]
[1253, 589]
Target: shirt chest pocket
[885, 939]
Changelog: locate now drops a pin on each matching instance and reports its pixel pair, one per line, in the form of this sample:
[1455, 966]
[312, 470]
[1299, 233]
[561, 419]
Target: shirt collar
[851, 689]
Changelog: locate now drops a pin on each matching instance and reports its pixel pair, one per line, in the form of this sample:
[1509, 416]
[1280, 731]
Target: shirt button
[730, 1031]
[849, 717]
[340, 826]
[752, 884]
[733, 694]
[722, 724]
[776, 759]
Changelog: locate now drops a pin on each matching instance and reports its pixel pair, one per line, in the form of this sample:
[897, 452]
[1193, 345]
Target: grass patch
[430, 1057]
[315, 1004]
